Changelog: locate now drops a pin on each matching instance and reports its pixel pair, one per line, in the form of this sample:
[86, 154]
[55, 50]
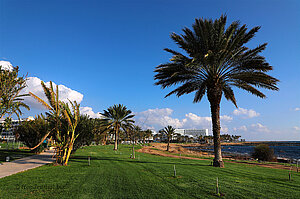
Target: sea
[287, 149]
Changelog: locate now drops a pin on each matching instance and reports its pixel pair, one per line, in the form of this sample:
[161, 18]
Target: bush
[32, 132]
[263, 152]
[85, 130]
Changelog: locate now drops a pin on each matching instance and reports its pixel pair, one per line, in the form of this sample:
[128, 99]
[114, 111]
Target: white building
[192, 132]
[8, 134]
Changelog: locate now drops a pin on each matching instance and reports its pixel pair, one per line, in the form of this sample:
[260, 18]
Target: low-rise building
[192, 132]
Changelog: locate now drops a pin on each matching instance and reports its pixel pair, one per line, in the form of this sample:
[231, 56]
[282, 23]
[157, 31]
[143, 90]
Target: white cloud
[297, 109]
[297, 128]
[6, 65]
[226, 118]
[193, 121]
[241, 128]
[34, 86]
[245, 113]
[258, 127]
[224, 129]
[89, 111]
[159, 118]
[256, 131]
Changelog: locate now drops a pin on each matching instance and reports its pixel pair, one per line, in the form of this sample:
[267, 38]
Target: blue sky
[107, 51]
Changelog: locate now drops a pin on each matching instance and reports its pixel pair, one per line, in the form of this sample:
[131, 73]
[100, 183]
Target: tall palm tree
[215, 59]
[169, 132]
[117, 116]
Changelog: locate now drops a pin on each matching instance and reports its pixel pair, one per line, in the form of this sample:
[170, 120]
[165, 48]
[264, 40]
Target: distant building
[8, 134]
[192, 132]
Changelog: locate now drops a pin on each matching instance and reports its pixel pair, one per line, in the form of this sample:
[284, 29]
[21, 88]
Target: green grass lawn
[113, 175]
[14, 154]
[10, 145]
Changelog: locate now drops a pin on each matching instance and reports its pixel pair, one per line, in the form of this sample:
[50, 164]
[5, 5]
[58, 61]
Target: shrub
[263, 152]
[32, 132]
[85, 130]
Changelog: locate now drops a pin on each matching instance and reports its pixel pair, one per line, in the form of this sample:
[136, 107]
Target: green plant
[169, 132]
[11, 101]
[215, 59]
[85, 129]
[117, 117]
[32, 132]
[62, 120]
[263, 152]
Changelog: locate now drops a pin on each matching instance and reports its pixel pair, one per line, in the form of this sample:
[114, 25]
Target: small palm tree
[148, 134]
[116, 117]
[215, 60]
[169, 132]
[59, 117]
[135, 132]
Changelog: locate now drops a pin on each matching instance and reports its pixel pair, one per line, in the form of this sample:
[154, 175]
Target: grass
[113, 175]
[14, 154]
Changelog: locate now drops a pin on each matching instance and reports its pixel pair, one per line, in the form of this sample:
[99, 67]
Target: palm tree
[169, 132]
[136, 131]
[215, 60]
[63, 120]
[116, 117]
[148, 133]
[11, 101]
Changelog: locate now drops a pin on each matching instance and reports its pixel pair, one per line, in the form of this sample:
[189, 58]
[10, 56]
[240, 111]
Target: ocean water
[289, 149]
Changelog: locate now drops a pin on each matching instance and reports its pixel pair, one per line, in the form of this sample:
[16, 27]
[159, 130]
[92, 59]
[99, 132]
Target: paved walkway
[23, 164]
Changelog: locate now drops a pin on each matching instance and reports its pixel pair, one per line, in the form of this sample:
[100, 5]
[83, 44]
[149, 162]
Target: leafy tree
[148, 134]
[85, 129]
[263, 152]
[169, 132]
[101, 131]
[215, 59]
[133, 132]
[32, 132]
[11, 101]
[116, 117]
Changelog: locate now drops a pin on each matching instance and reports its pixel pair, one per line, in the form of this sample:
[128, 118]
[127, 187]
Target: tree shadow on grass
[80, 158]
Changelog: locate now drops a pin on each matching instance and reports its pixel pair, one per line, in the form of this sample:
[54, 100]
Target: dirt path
[160, 149]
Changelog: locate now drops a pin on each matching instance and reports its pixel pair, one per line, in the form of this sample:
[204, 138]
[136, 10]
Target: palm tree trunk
[168, 146]
[133, 153]
[116, 139]
[214, 98]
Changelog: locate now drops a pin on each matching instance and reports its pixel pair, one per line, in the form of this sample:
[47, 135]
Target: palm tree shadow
[81, 158]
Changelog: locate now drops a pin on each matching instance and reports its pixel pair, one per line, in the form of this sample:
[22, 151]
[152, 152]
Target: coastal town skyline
[106, 54]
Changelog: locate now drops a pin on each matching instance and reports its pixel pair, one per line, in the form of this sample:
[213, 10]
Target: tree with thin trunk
[148, 134]
[215, 59]
[134, 132]
[117, 116]
[62, 121]
[169, 132]
[11, 84]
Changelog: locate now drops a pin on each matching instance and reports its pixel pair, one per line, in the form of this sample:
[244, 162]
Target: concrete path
[23, 164]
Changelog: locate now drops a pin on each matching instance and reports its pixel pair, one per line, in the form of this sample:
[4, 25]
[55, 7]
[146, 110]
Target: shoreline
[179, 151]
[245, 155]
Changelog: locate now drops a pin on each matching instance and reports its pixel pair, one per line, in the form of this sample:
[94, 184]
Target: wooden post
[174, 171]
[89, 160]
[290, 175]
[217, 187]
[297, 166]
